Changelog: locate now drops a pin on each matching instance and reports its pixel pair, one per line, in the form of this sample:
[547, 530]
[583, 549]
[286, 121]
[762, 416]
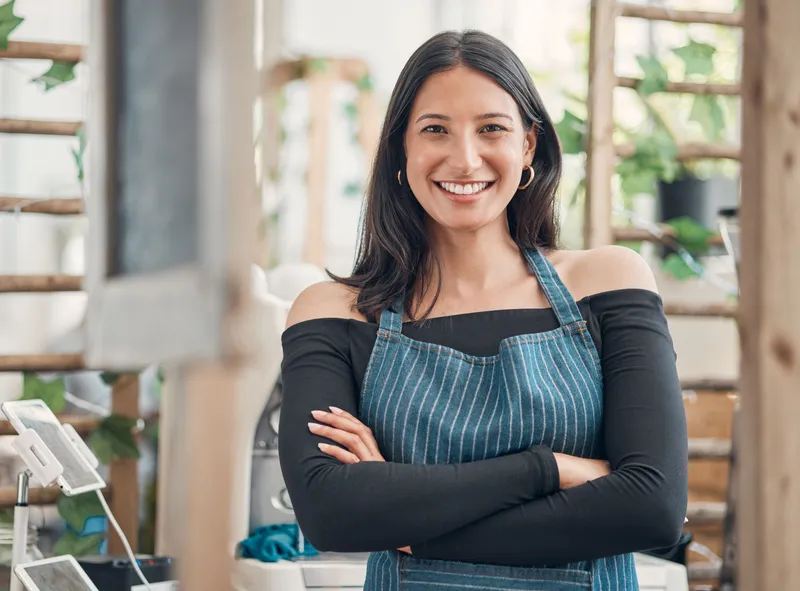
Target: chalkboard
[155, 213]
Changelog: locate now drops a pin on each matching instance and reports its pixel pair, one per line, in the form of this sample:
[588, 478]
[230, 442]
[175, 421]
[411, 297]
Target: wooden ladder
[602, 153]
[123, 474]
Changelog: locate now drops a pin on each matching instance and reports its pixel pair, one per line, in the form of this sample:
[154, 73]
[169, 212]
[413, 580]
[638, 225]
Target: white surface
[329, 575]
[165, 586]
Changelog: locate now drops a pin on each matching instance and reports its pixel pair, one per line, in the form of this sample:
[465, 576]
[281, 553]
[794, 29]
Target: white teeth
[468, 189]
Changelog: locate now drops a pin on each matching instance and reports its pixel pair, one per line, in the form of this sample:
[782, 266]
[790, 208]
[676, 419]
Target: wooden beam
[709, 449]
[36, 127]
[712, 309]
[656, 13]
[705, 512]
[56, 206]
[600, 159]
[28, 50]
[40, 283]
[46, 362]
[83, 424]
[728, 89]
[690, 151]
[345, 69]
[709, 385]
[703, 571]
[633, 234]
[768, 442]
[123, 472]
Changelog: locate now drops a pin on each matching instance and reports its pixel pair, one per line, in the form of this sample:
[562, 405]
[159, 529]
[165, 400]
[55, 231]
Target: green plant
[57, 74]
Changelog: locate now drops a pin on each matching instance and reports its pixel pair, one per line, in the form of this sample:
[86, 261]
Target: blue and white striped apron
[430, 404]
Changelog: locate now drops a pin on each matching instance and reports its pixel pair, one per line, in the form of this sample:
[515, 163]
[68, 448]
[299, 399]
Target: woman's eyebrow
[479, 117]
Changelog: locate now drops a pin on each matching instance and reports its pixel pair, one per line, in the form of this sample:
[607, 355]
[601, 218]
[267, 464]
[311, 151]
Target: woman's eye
[493, 127]
[433, 129]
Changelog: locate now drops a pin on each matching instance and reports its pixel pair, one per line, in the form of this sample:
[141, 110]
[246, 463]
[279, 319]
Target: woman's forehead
[462, 92]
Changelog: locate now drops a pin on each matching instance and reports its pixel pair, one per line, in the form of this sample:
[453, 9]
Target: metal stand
[20, 539]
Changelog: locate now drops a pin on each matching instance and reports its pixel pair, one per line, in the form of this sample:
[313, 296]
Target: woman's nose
[465, 156]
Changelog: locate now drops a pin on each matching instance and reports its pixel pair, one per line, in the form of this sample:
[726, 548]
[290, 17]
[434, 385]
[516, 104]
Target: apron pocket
[420, 574]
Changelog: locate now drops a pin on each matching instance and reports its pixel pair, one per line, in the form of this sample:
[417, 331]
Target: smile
[464, 188]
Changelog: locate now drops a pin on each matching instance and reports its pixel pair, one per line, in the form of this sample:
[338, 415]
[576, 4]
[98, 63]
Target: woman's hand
[574, 471]
[356, 438]
[345, 429]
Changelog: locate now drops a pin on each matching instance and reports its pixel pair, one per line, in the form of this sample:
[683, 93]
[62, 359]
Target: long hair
[394, 251]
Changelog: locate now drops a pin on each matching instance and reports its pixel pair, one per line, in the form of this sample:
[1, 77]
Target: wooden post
[768, 443]
[319, 88]
[600, 156]
[124, 476]
[209, 426]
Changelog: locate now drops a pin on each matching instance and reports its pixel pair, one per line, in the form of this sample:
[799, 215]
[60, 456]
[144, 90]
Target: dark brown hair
[394, 252]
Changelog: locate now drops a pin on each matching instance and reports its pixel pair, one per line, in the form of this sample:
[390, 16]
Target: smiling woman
[535, 417]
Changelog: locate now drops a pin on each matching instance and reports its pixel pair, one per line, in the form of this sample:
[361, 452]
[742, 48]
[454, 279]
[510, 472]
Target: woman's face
[466, 149]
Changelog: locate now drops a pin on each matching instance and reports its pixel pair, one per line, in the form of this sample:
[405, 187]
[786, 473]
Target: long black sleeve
[642, 503]
[372, 506]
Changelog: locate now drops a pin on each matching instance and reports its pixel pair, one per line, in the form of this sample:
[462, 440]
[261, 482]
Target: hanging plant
[8, 22]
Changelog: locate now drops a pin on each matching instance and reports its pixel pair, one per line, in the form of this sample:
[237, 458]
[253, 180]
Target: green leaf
[677, 267]
[655, 76]
[316, 65]
[571, 131]
[351, 111]
[690, 234]
[52, 393]
[58, 74]
[698, 58]
[707, 111]
[109, 377]
[71, 543]
[76, 510]
[8, 22]
[78, 154]
[114, 438]
[353, 189]
[634, 246]
[634, 178]
[365, 83]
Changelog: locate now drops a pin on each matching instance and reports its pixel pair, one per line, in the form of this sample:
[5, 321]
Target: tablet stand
[42, 465]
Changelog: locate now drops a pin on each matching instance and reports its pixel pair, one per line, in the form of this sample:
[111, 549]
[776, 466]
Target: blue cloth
[272, 543]
[430, 404]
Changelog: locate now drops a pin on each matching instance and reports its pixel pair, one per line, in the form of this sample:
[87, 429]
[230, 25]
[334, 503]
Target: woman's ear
[529, 145]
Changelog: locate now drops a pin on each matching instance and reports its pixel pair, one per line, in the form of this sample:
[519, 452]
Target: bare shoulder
[606, 268]
[326, 299]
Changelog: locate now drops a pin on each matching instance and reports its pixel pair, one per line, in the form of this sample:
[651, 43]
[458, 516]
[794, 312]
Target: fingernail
[318, 413]
[335, 410]
[322, 446]
[313, 426]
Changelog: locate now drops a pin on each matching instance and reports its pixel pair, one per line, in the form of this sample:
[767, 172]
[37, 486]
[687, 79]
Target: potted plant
[696, 189]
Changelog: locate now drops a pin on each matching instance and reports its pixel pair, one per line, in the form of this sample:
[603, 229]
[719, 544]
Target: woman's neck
[474, 264]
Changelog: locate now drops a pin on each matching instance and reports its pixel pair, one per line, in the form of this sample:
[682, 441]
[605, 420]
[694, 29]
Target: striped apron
[430, 404]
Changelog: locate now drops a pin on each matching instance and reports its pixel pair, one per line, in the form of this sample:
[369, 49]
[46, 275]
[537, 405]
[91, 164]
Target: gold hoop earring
[530, 180]
[399, 182]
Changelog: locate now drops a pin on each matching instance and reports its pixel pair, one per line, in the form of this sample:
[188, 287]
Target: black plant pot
[698, 199]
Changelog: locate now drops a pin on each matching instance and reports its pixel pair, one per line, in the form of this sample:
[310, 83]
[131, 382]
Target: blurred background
[314, 128]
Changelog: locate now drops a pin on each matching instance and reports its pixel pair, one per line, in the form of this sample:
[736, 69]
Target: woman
[474, 406]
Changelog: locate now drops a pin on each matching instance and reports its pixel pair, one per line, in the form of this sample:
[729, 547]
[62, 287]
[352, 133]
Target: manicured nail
[313, 426]
[322, 446]
[336, 411]
[318, 414]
